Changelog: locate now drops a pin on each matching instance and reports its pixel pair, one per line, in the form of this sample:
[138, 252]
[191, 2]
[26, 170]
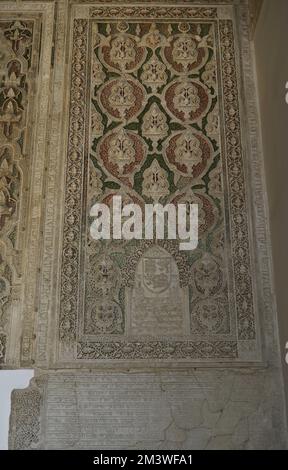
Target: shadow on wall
[271, 34]
[9, 380]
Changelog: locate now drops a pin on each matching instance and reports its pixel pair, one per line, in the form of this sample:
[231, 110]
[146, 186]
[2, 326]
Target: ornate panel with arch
[155, 117]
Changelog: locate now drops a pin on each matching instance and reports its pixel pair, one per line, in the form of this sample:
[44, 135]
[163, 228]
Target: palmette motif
[154, 74]
[155, 182]
[122, 51]
[155, 125]
[188, 151]
[186, 98]
[185, 51]
[121, 150]
[122, 97]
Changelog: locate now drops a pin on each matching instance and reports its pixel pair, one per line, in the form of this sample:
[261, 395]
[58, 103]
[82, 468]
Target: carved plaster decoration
[153, 115]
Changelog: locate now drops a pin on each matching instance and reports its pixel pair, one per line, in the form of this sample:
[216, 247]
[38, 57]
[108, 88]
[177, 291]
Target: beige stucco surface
[272, 69]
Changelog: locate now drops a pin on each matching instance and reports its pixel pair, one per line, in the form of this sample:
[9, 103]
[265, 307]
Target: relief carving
[155, 137]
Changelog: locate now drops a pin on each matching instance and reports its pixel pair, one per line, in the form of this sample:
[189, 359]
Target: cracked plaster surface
[184, 410]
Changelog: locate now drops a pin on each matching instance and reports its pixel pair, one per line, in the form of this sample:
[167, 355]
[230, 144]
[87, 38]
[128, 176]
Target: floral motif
[104, 315]
[209, 316]
[159, 350]
[121, 150]
[154, 38]
[122, 51]
[186, 98]
[154, 74]
[9, 185]
[19, 34]
[122, 97]
[13, 95]
[152, 12]
[207, 275]
[184, 51]
[155, 125]
[188, 151]
[206, 208]
[70, 260]
[10, 113]
[155, 182]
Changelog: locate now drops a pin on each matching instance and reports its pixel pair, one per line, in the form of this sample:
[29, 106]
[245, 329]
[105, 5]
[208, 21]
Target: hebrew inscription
[154, 117]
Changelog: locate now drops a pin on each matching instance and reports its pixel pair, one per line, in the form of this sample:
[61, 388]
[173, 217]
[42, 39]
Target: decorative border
[159, 350]
[150, 12]
[73, 196]
[268, 325]
[237, 194]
